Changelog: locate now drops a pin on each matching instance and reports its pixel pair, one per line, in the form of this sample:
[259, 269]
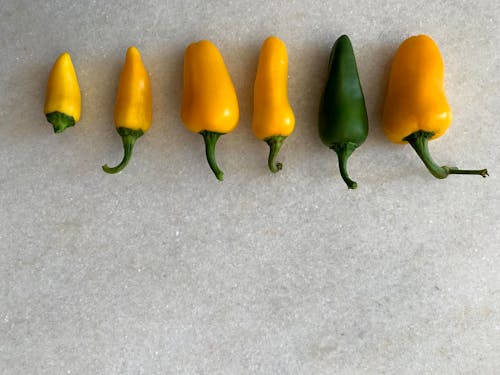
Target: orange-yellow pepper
[133, 106]
[415, 108]
[273, 118]
[209, 102]
[63, 101]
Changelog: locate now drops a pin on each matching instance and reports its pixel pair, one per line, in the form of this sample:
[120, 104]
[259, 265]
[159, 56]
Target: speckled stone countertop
[164, 270]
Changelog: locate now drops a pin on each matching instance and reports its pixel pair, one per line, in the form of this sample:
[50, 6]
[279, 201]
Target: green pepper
[343, 121]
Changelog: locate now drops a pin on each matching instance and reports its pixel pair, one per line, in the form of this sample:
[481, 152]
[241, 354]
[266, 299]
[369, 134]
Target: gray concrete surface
[164, 270]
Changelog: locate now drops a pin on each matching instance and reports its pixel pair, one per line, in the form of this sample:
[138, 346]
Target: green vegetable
[343, 121]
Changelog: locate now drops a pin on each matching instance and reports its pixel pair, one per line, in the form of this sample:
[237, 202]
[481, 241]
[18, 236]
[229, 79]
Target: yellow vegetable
[415, 108]
[209, 102]
[273, 118]
[133, 107]
[415, 97]
[62, 98]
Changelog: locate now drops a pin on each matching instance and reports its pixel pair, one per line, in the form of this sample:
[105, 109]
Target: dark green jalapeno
[343, 121]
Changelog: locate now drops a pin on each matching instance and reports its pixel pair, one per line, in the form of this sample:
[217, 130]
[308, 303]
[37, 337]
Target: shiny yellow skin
[133, 106]
[415, 98]
[209, 101]
[272, 114]
[63, 91]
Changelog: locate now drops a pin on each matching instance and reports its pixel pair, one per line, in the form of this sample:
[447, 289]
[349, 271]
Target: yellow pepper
[133, 106]
[415, 108]
[273, 118]
[63, 102]
[209, 102]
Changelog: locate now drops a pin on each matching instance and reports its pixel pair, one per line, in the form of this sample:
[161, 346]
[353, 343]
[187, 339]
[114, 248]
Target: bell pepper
[133, 106]
[415, 109]
[273, 118]
[209, 102]
[63, 101]
[343, 120]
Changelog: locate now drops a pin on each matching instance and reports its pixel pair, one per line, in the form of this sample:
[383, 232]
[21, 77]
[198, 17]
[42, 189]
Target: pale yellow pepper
[415, 108]
[273, 118]
[209, 101]
[63, 101]
[133, 106]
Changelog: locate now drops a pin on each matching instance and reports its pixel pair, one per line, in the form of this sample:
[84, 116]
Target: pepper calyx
[275, 142]
[210, 138]
[419, 140]
[344, 151]
[129, 136]
[60, 121]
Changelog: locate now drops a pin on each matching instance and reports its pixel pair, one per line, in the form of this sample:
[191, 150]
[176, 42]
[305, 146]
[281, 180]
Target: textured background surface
[164, 270]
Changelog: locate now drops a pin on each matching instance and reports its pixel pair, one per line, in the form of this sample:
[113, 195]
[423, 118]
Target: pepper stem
[344, 150]
[211, 139]
[60, 121]
[275, 142]
[129, 137]
[420, 141]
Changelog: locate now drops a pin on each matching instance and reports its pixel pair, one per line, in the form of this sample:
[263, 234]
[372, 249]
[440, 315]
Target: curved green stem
[60, 121]
[129, 137]
[420, 142]
[344, 150]
[211, 139]
[275, 143]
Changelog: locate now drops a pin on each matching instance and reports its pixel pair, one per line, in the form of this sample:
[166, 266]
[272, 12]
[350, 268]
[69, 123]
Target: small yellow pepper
[273, 118]
[209, 102]
[63, 101]
[133, 106]
[415, 108]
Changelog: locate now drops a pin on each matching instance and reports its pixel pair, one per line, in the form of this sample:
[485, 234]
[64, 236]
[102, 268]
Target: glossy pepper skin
[415, 108]
[343, 120]
[133, 106]
[63, 101]
[273, 118]
[209, 102]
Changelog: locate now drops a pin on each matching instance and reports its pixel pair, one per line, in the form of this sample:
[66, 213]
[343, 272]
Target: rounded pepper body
[415, 99]
[63, 101]
[343, 119]
[209, 101]
[273, 117]
[415, 108]
[272, 114]
[133, 106]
